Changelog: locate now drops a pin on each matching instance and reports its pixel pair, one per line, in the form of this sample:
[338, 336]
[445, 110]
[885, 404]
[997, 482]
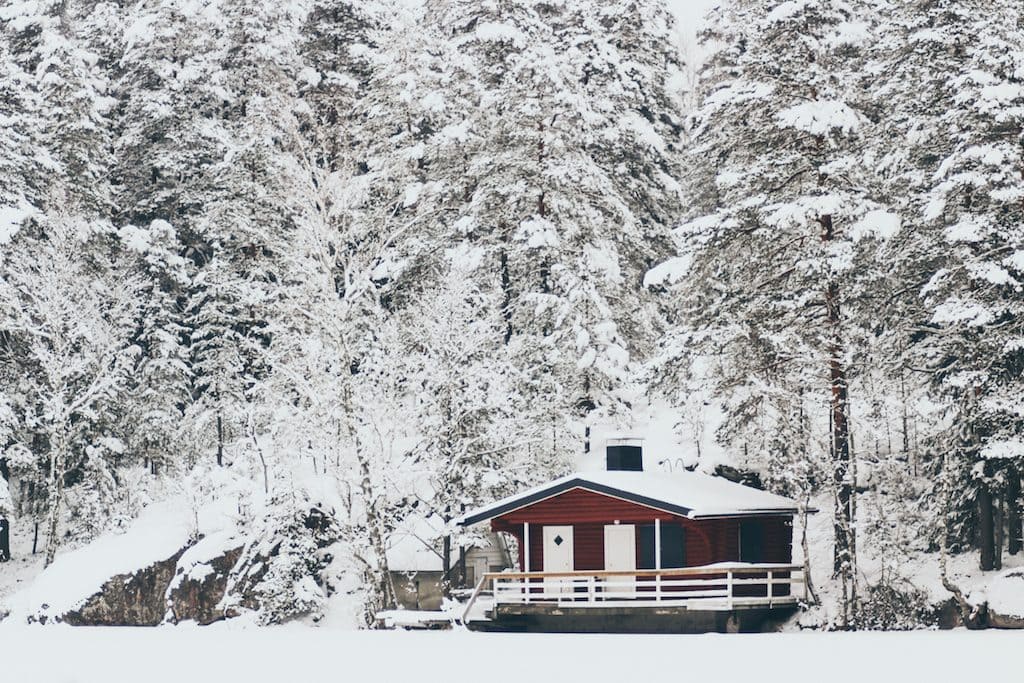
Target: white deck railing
[723, 586]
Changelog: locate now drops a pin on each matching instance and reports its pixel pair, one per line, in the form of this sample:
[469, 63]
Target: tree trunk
[506, 294]
[998, 513]
[1014, 535]
[58, 459]
[386, 598]
[971, 616]
[839, 423]
[259, 453]
[446, 564]
[462, 567]
[809, 595]
[220, 440]
[5, 523]
[986, 523]
[905, 423]
[5, 539]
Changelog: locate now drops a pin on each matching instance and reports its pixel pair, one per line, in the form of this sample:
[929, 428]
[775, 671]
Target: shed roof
[689, 494]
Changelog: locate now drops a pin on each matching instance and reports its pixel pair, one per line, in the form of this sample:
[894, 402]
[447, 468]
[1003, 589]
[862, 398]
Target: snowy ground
[176, 654]
[23, 568]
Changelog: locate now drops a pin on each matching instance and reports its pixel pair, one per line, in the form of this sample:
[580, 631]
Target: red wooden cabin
[631, 544]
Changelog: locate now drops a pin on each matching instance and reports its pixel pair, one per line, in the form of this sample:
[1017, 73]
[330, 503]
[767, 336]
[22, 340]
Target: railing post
[657, 559]
[728, 587]
[591, 582]
[526, 558]
[769, 588]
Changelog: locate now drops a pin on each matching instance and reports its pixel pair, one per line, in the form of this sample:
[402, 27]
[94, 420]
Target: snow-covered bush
[894, 606]
[280, 573]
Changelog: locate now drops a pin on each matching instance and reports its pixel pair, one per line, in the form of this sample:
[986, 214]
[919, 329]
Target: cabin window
[751, 541]
[673, 546]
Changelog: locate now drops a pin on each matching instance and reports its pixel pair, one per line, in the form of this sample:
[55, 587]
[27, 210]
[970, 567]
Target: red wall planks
[579, 505]
[707, 541]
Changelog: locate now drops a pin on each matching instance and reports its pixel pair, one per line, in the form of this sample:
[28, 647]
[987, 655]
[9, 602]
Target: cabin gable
[579, 504]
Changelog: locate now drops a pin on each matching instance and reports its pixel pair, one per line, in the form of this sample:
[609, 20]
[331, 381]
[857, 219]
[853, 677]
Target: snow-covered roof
[409, 553]
[689, 494]
[410, 546]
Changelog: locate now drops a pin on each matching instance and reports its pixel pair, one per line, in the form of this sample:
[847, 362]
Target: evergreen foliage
[383, 261]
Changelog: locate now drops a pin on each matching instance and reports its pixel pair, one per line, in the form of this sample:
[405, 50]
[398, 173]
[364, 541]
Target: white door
[558, 548]
[479, 568]
[620, 556]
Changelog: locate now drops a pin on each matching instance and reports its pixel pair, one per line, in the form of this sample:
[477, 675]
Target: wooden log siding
[707, 540]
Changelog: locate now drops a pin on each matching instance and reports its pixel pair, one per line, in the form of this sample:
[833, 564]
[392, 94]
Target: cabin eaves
[688, 494]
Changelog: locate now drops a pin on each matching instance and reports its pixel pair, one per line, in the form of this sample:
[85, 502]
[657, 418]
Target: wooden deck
[722, 587]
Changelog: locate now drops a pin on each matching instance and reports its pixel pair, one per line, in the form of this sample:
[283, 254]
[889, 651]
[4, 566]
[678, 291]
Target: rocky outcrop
[276, 572]
[951, 615]
[197, 593]
[167, 590]
[135, 599]
[997, 620]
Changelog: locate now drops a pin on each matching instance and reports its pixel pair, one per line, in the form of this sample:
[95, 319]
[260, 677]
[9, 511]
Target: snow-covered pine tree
[772, 263]
[562, 141]
[155, 403]
[166, 103]
[338, 50]
[160, 65]
[64, 256]
[71, 130]
[246, 213]
[17, 128]
[961, 179]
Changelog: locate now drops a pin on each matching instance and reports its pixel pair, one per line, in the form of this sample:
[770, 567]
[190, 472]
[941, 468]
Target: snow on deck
[223, 653]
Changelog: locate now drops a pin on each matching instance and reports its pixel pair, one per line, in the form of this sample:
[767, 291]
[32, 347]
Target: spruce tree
[561, 150]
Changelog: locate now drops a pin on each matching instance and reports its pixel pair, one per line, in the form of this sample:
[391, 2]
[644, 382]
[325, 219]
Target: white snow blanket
[226, 653]
[1003, 593]
[159, 532]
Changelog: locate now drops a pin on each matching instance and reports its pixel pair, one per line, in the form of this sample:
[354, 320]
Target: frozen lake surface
[179, 654]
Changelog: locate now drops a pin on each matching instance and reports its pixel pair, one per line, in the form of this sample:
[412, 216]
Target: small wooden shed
[629, 539]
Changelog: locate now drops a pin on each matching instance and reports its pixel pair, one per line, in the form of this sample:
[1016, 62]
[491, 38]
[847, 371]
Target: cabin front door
[558, 557]
[620, 556]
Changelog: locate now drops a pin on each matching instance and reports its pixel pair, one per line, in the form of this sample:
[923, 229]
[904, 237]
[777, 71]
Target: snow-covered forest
[300, 278]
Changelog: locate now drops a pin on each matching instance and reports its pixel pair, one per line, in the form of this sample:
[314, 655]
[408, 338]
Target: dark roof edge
[774, 512]
[525, 501]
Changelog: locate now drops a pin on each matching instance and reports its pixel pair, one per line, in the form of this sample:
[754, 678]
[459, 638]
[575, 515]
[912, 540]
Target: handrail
[472, 599]
[720, 586]
[681, 571]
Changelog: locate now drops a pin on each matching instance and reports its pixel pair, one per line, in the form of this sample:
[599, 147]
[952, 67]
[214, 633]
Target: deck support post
[657, 557]
[526, 556]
